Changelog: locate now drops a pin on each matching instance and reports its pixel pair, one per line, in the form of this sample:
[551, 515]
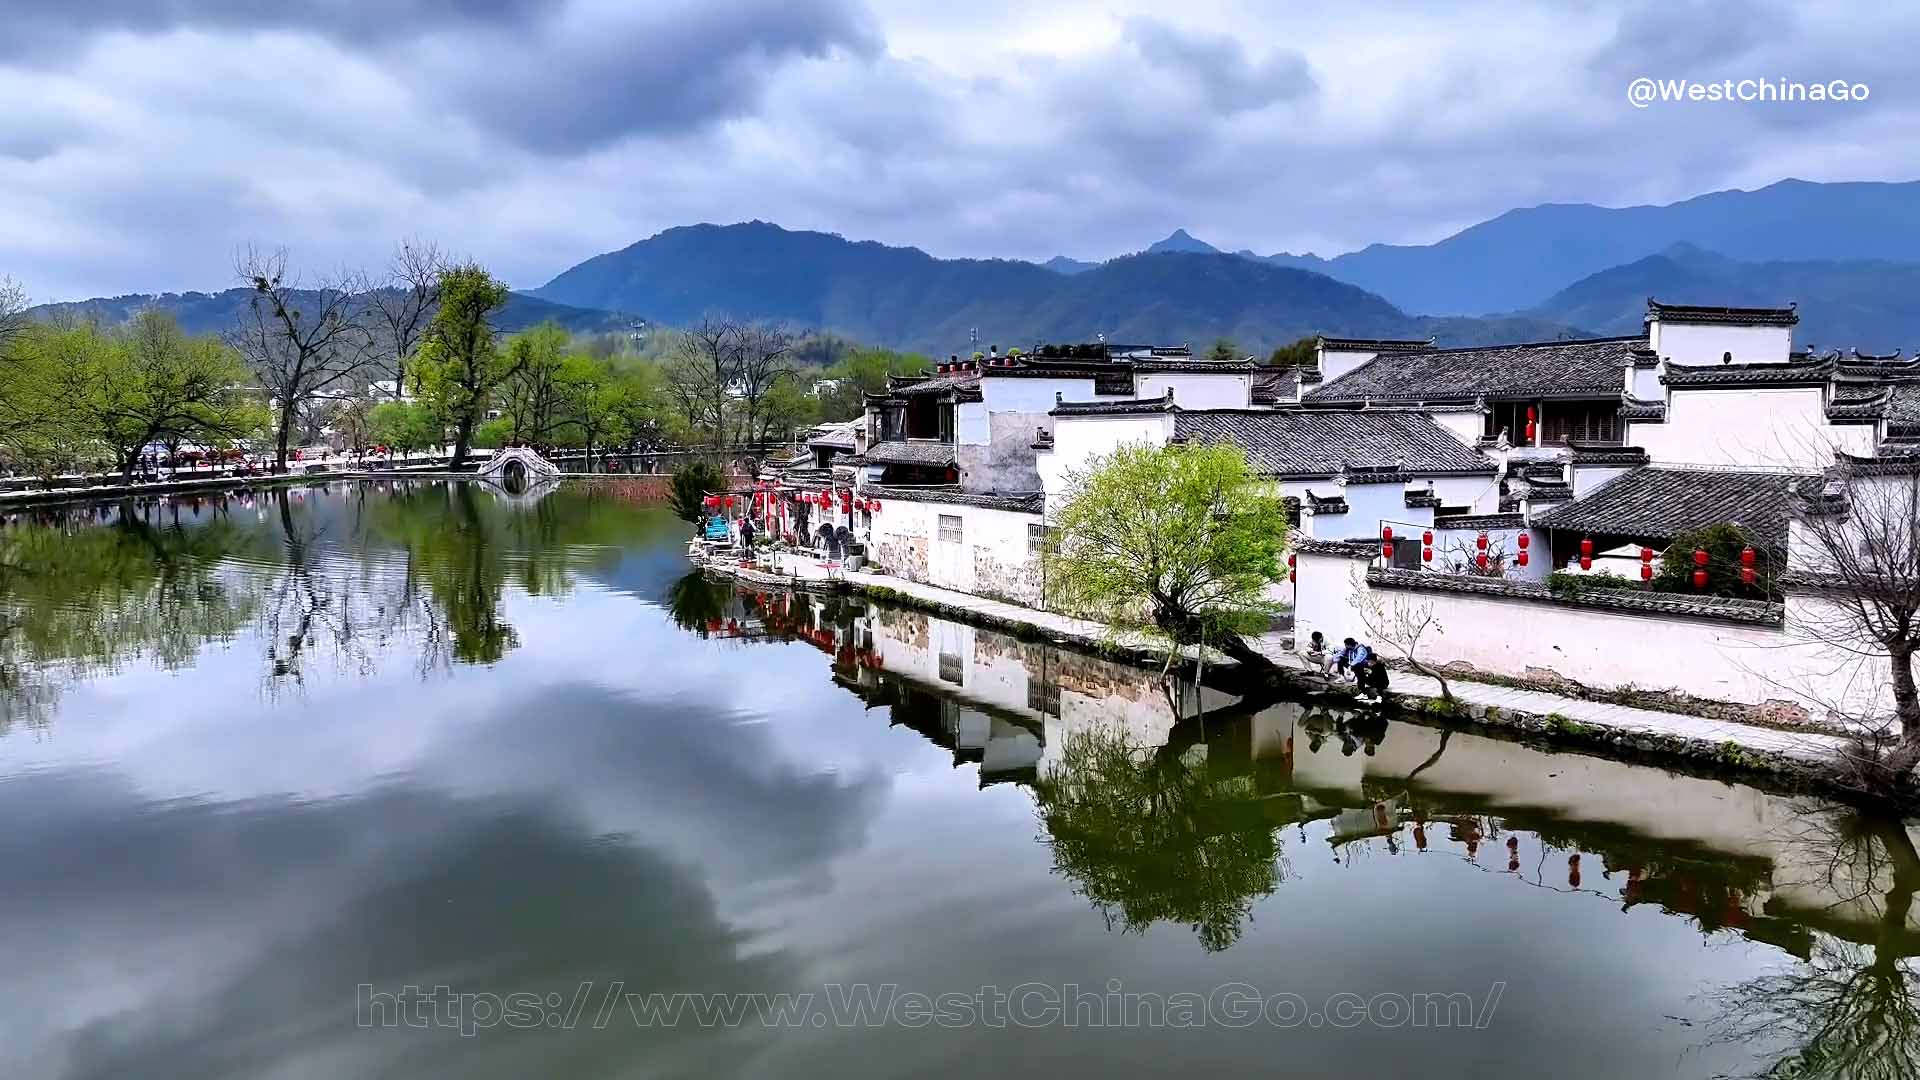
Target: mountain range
[211, 313]
[1848, 253]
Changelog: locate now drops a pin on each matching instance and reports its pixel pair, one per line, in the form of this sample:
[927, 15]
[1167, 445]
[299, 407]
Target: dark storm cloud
[572, 87]
[1232, 80]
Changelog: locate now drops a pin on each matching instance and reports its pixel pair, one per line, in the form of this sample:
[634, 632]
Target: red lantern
[1292, 576]
[1699, 579]
[1646, 554]
[1532, 415]
[1426, 554]
[1480, 541]
[1586, 562]
[1586, 548]
[876, 506]
[1292, 561]
[1521, 558]
[1746, 556]
[1386, 550]
[1426, 538]
[1480, 560]
[1523, 540]
[1646, 571]
[729, 502]
[1529, 431]
[1699, 556]
[1386, 532]
[1747, 575]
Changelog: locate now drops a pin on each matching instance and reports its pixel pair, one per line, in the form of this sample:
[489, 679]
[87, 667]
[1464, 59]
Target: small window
[1043, 697]
[950, 670]
[1039, 537]
[950, 528]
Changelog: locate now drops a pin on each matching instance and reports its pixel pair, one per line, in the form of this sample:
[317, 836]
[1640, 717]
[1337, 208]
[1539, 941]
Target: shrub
[1567, 584]
[1723, 544]
[692, 483]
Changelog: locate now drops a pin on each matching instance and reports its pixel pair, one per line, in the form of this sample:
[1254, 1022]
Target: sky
[144, 142]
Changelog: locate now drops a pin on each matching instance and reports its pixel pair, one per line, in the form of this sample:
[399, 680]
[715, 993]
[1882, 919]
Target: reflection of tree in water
[1852, 1010]
[87, 590]
[1153, 837]
[699, 604]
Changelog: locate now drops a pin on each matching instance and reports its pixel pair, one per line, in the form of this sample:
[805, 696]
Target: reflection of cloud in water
[193, 939]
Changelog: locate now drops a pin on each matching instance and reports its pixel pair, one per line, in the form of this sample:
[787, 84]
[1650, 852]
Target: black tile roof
[1592, 454]
[1344, 549]
[1024, 502]
[1591, 368]
[1479, 521]
[1373, 344]
[1732, 375]
[939, 384]
[1141, 407]
[897, 452]
[1661, 502]
[1192, 365]
[1316, 443]
[1625, 600]
[1635, 409]
[1722, 316]
[1275, 385]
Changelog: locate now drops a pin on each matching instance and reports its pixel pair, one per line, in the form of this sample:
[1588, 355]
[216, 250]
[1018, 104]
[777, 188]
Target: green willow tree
[461, 364]
[1154, 837]
[1179, 543]
[691, 483]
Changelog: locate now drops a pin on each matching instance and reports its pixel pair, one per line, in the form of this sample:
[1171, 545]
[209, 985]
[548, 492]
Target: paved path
[1592, 713]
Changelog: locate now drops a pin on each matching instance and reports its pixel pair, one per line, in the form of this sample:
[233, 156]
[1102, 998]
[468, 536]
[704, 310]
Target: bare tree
[703, 372]
[402, 306]
[15, 410]
[13, 315]
[304, 344]
[1400, 622]
[1859, 537]
[764, 357]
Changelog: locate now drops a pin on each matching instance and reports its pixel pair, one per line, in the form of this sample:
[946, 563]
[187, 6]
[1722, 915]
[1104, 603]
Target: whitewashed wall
[1588, 477]
[1773, 428]
[970, 426]
[1518, 637]
[1027, 395]
[1463, 425]
[991, 558]
[1691, 343]
[1077, 439]
[1451, 543]
[1201, 391]
[1481, 492]
[1337, 362]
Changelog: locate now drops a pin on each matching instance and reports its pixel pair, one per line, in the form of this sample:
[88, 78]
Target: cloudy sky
[142, 141]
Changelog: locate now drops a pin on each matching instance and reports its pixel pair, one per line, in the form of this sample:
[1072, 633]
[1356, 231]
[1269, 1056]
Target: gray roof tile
[1661, 502]
[1588, 368]
[1722, 316]
[896, 452]
[1319, 442]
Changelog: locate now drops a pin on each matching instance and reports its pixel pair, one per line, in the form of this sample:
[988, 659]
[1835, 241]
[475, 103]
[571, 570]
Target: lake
[418, 779]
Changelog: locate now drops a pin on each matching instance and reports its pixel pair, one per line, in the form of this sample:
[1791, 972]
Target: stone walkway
[1622, 718]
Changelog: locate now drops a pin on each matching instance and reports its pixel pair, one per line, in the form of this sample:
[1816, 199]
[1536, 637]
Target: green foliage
[860, 373]
[1300, 354]
[1152, 837]
[1723, 544]
[405, 427]
[693, 482]
[1559, 724]
[1568, 585]
[1176, 542]
[460, 363]
[1224, 350]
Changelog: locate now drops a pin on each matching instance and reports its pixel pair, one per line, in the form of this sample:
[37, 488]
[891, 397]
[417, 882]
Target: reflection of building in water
[1725, 856]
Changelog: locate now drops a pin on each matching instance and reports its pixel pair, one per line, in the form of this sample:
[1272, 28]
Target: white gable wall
[1691, 343]
[1337, 362]
[1197, 391]
[1773, 428]
[1078, 439]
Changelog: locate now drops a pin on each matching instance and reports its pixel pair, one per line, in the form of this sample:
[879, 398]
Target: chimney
[860, 439]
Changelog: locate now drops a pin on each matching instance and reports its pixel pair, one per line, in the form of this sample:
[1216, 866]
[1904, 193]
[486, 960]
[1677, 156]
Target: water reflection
[349, 579]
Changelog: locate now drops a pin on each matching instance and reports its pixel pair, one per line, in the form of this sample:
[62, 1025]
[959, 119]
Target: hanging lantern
[1426, 554]
[729, 502]
[876, 506]
[1521, 558]
[1480, 560]
[1646, 554]
[1292, 576]
[1426, 538]
[1480, 541]
[1529, 431]
[1747, 575]
[1532, 414]
[1386, 532]
[1699, 579]
[1747, 556]
[1292, 561]
[1386, 550]
[1646, 571]
[1586, 547]
[1699, 556]
[1523, 540]
[1586, 562]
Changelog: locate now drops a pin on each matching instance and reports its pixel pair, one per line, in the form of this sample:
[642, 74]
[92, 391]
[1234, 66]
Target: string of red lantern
[1646, 564]
[1586, 553]
[1700, 573]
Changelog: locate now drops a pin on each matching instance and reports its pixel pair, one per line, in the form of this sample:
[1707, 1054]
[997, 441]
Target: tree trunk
[1906, 709]
[285, 434]
[462, 435]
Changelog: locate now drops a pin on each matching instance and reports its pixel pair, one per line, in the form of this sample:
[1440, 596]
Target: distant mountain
[204, 313]
[1060, 264]
[1858, 303]
[1519, 259]
[1181, 240]
[905, 298]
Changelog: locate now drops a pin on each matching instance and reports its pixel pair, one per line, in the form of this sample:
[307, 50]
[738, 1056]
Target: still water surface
[268, 762]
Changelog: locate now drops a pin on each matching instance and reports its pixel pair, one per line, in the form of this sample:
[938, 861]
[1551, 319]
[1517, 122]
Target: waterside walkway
[1483, 701]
